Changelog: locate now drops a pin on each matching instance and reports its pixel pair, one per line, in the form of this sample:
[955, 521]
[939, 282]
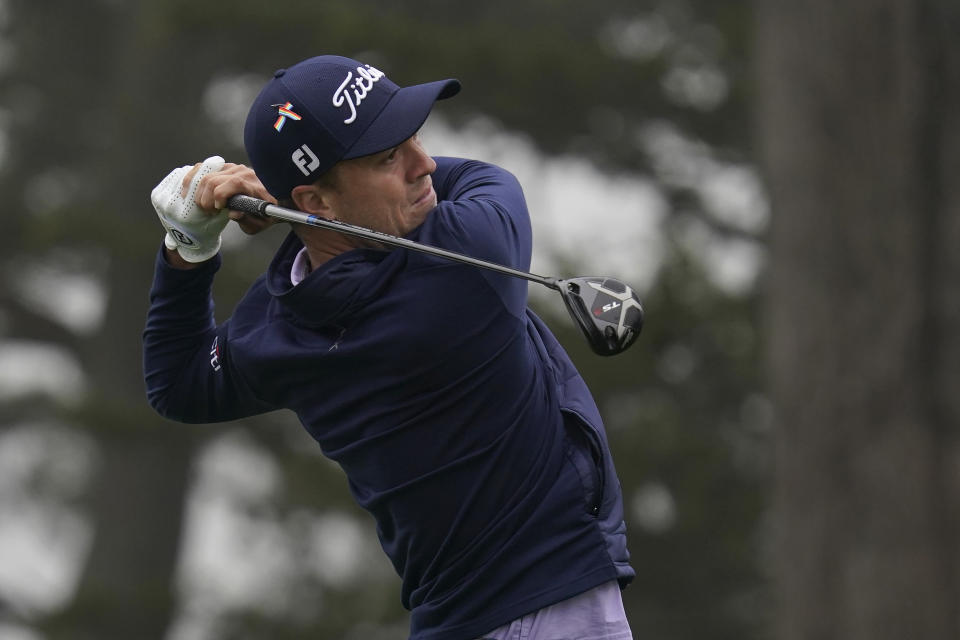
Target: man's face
[390, 191]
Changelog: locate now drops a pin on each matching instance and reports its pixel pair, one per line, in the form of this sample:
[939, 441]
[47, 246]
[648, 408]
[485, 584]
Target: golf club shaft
[257, 207]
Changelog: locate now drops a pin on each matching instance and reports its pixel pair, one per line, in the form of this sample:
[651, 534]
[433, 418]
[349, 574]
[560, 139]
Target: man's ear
[312, 198]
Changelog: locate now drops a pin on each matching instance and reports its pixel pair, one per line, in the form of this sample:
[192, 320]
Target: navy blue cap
[327, 109]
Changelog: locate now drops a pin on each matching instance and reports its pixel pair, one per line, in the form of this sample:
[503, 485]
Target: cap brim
[402, 117]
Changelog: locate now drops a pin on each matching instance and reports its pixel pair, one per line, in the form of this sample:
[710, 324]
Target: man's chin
[417, 218]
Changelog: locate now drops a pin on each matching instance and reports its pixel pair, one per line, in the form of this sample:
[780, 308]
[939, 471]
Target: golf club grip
[247, 204]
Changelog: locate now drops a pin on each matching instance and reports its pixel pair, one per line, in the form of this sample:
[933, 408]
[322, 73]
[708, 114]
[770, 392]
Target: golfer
[460, 422]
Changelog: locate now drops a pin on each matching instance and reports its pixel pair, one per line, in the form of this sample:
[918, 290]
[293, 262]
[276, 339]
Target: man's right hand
[190, 202]
[192, 232]
[215, 189]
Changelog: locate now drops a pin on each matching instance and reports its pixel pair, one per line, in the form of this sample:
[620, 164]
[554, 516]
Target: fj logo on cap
[286, 111]
[305, 159]
[354, 94]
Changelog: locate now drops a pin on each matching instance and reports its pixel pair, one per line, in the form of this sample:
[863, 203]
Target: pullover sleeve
[188, 373]
[482, 213]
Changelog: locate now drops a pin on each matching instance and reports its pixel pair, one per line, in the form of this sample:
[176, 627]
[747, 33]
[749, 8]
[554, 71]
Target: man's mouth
[424, 196]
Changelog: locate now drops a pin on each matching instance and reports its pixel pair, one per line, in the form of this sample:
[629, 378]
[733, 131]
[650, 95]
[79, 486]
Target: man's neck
[324, 244]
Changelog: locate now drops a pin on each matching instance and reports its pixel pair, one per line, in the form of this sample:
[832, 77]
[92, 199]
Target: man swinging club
[460, 422]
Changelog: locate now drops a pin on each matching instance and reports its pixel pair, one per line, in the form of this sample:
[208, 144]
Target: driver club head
[607, 311]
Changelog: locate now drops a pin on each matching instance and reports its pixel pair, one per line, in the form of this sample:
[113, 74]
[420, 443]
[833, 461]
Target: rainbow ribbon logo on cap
[286, 111]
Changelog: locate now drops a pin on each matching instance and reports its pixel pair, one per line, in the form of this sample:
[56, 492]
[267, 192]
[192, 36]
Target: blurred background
[780, 181]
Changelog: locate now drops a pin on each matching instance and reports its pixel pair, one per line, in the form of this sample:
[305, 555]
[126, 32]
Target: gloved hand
[191, 231]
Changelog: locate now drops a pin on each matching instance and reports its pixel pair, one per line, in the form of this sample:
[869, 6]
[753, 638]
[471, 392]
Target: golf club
[607, 311]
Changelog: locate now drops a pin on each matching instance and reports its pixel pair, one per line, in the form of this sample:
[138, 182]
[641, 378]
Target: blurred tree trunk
[859, 122]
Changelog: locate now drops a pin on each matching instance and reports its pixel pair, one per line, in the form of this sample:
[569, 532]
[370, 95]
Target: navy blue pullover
[460, 422]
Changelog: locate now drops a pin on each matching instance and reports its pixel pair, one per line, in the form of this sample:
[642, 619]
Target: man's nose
[421, 163]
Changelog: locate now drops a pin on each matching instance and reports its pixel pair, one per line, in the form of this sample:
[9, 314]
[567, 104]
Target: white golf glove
[190, 231]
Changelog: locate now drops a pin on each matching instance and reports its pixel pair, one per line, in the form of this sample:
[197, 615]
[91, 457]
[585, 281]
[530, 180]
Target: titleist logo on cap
[353, 95]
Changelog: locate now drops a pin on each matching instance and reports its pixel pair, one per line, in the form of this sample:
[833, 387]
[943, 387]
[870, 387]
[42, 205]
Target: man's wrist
[175, 260]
